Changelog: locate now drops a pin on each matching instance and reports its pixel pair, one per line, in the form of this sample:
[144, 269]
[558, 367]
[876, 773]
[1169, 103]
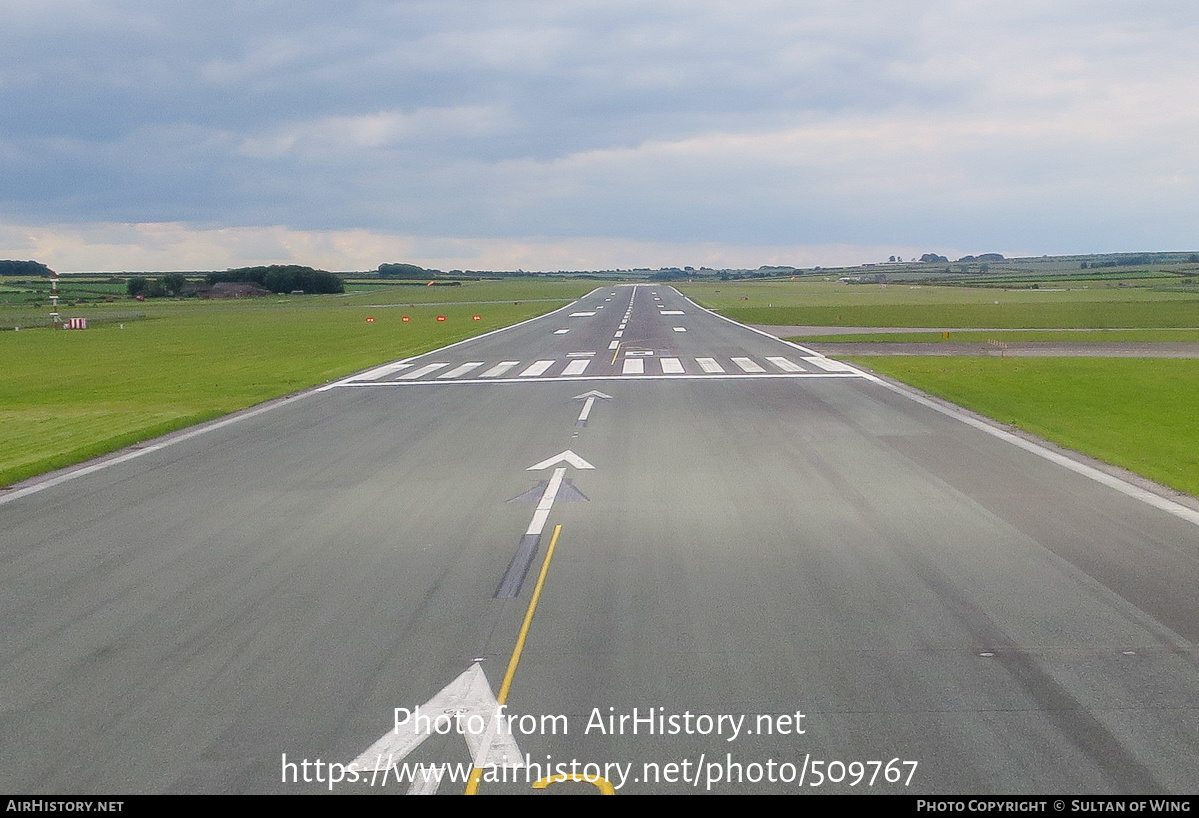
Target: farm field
[67, 396]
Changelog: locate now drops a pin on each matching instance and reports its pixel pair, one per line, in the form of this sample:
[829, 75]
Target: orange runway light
[478, 318]
[370, 320]
[404, 319]
[441, 318]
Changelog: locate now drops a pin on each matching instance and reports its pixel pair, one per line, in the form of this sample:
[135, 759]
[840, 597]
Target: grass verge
[1136, 413]
[1069, 336]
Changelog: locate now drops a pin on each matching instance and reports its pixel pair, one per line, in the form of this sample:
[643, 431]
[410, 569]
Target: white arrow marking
[567, 457]
[467, 701]
[586, 409]
[537, 524]
[594, 393]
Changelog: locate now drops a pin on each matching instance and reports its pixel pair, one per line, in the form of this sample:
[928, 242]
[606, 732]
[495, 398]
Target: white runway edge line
[1111, 481]
[175, 437]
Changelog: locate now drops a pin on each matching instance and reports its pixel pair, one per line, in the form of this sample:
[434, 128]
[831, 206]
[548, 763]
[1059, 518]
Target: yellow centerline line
[476, 775]
[616, 354]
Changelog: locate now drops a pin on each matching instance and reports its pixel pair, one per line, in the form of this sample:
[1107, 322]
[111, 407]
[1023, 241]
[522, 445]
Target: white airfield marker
[576, 367]
[748, 365]
[633, 366]
[379, 372]
[590, 396]
[535, 369]
[581, 314]
[786, 365]
[466, 701]
[830, 365]
[568, 457]
[499, 369]
[672, 366]
[420, 373]
[459, 371]
[709, 366]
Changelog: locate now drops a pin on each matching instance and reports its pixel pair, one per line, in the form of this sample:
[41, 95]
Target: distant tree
[25, 268]
[173, 282]
[1193, 258]
[136, 286]
[1084, 266]
[283, 278]
[890, 258]
[403, 271]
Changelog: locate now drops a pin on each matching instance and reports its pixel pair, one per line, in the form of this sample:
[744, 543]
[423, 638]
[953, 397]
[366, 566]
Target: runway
[787, 575]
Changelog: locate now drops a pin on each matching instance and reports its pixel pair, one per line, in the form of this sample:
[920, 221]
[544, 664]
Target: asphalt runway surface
[770, 572]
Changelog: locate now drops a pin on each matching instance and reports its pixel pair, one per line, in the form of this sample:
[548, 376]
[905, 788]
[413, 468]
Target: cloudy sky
[571, 134]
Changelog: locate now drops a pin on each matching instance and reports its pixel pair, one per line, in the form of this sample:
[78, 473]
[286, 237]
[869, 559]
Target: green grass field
[1137, 413]
[820, 303]
[66, 396]
[1072, 336]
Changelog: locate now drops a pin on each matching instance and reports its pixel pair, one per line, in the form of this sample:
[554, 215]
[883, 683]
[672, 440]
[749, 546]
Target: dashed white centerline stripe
[561, 331]
[830, 365]
[672, 366]
[614, 345]
[459, 371]
[709, 365]
[786, 365]
[633, 366]
[420, 373]
[535, 369]
[499, 369]
[581, 314]
[576, 367]
[619, 333]
[680, 329]
[671, 312]
[748, 365]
